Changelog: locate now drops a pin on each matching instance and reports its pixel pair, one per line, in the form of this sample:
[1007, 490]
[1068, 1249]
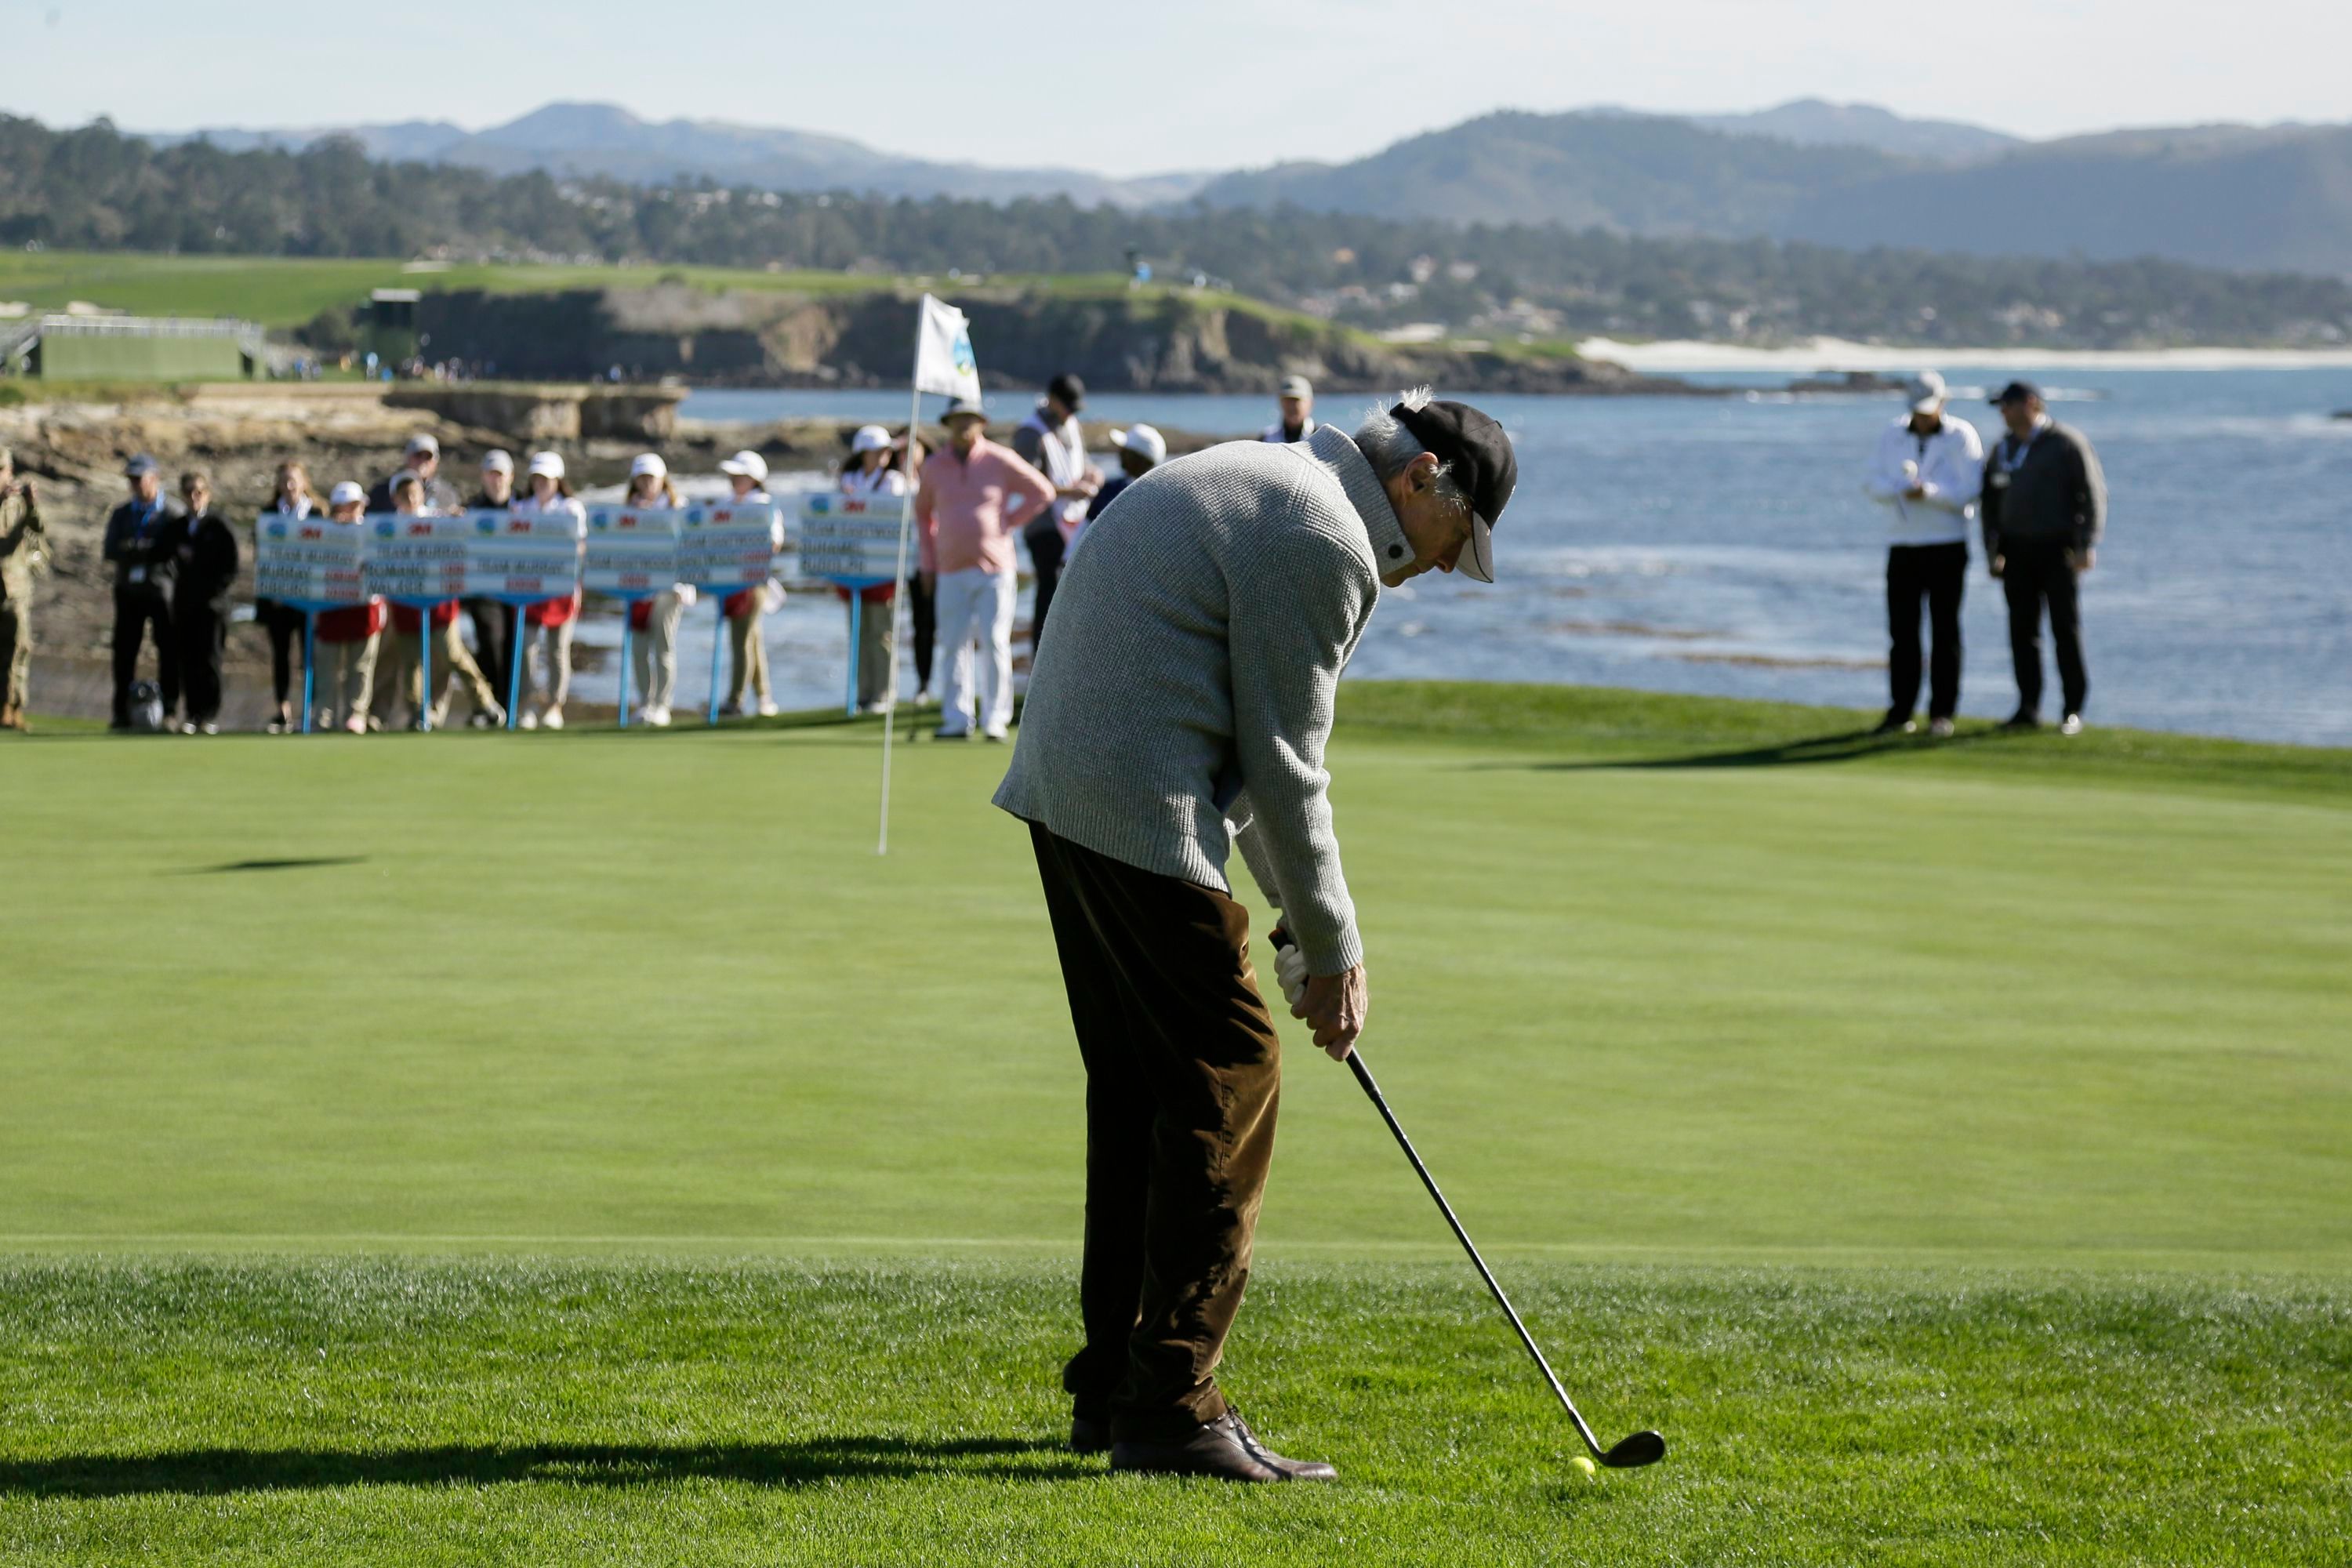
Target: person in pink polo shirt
[970, 504]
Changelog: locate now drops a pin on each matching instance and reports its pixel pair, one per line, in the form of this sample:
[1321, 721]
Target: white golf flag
[943, 361]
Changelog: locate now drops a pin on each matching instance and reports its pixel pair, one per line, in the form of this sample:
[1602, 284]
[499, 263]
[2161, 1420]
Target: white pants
[975, 607]
[653, 652]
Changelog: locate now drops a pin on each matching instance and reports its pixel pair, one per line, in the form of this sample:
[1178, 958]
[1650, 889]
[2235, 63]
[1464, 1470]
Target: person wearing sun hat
[972, 500]
[547, 627]
[1180, 709]
[868, 473]
[654, 622]
[746, 608]
[1926, 472]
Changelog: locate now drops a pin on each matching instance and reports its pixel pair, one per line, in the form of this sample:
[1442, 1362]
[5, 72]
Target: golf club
[1642, 1447]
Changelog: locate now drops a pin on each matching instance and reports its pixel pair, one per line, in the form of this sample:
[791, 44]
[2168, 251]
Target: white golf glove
[1290, 970]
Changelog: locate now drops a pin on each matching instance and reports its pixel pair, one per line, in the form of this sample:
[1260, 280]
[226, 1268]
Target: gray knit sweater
[1184, 691]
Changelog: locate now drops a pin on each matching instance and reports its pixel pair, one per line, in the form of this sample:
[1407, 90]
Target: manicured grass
[521, 1412]
[286, 292]
[1957, 1133]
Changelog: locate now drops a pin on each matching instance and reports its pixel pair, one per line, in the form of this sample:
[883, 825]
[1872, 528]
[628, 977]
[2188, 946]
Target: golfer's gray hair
[1391, 447]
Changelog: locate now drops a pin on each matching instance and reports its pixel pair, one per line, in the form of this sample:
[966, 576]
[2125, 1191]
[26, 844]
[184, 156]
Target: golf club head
[1641, 1448]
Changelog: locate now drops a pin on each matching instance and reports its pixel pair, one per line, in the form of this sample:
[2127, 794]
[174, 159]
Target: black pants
[1044, 538]
[136, 610]
[1937, 573]
[284, 623]
[926, 605]
[2036, 575]
[494, 633]
[202, 629]
[1183, 1074]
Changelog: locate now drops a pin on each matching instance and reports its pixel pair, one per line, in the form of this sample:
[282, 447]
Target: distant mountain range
[1856, 176]
[600, 139]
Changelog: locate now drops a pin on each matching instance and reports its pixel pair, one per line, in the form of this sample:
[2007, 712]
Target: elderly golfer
[1182, 706]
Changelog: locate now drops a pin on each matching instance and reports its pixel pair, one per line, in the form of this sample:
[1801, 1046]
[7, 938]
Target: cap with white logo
[498, 461]
[548, 463]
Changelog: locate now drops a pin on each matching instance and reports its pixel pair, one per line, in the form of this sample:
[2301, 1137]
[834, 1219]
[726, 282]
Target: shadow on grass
[302, 863]
[1847, 746]
[213, 1472]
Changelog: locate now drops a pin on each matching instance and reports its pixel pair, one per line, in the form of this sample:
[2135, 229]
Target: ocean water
[1724, 546]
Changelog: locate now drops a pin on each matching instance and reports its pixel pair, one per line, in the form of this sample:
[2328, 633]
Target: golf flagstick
[1642, 1447]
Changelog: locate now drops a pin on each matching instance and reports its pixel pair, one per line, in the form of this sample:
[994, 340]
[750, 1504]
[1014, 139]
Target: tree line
[96, 188]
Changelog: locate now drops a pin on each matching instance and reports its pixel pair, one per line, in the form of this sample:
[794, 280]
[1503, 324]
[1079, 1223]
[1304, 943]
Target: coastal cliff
[1146, 340]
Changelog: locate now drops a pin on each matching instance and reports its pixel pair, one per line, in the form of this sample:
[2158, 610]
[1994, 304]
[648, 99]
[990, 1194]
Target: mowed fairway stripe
[659, 987]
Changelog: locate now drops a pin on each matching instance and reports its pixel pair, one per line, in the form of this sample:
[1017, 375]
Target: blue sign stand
[856, 641]
[514, 671]
[718, 639]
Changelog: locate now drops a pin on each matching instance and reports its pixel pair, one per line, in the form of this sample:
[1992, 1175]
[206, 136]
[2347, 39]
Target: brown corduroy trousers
[1183, 1071]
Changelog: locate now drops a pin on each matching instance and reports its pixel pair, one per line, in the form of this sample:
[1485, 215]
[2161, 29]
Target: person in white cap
[493, 622]
[423, 458]
[868, 472]
[1927, 473]
[547, 625]
[347, 637]
[1141, 449]
[747, 472]
[1297, 421]
[653, 623]
[402, 655]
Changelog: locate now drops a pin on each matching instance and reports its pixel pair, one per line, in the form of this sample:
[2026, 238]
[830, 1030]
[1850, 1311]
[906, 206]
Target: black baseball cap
[1069, 389]
[1484, 464]
[2015, 391]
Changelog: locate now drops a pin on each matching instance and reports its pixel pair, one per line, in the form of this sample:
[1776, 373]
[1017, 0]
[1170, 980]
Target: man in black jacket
[203, 548]
[138, 542]
[494, 623]
[2045, 505]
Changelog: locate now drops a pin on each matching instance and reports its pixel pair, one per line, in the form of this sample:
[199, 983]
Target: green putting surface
[1893, 1084]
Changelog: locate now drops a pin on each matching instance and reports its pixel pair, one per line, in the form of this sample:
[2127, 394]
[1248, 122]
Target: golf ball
[1581, 1463]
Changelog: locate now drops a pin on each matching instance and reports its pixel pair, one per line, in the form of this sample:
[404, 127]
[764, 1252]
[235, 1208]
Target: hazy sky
[1195, 84]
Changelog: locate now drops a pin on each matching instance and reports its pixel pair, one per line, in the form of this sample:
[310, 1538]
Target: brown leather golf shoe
[1225, 1449]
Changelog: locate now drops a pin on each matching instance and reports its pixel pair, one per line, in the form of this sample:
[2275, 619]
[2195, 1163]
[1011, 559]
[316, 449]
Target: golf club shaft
[1371, 1090]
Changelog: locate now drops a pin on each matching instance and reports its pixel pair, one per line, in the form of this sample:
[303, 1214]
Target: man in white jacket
[1928, 472]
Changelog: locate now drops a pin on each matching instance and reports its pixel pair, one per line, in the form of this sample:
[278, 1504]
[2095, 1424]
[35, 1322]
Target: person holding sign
[969, 506]
[284, 622]
[450, 656]
[347, 637]
[868, 473]
[494, 623]
[746, 471]
[653, 623]
[547, 625]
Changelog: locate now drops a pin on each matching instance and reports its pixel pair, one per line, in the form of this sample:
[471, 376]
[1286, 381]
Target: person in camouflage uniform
[24, 552]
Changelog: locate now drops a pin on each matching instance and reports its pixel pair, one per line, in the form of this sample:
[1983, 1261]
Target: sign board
[850, 541]
[729, 546]
[308, 562]
[417, 561]
[632, 552]
[522, 557]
